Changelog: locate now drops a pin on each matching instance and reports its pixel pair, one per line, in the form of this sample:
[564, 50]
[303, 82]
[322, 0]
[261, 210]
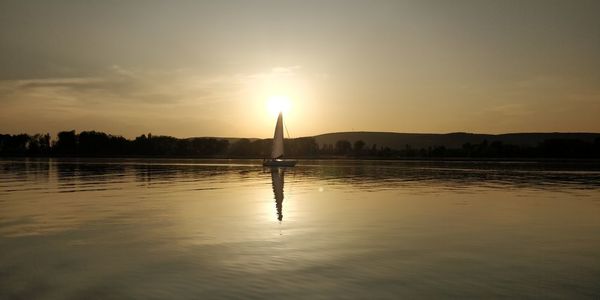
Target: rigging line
[286, 131]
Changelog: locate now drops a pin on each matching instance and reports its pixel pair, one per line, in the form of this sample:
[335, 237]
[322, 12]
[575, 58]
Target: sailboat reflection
[277, 182]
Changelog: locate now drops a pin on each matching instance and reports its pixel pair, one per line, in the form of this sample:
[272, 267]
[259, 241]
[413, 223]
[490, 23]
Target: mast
[277, 151]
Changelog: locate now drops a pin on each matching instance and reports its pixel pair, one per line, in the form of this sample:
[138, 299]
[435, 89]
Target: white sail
[277, 151]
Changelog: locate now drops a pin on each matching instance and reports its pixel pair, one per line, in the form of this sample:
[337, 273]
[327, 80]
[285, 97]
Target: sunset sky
[193, 68]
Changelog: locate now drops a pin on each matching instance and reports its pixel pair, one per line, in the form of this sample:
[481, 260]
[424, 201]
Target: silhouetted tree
[93, 143]
[358, 147]
[306, 146]
[39, 144]
[141, 145]
[408, 151]
[343, 147]
[66, 143]
[373, 151]
[14, 144]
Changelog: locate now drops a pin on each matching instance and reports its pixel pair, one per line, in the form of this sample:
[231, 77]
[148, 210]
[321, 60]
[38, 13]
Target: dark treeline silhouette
[549, 148]
[94, 143]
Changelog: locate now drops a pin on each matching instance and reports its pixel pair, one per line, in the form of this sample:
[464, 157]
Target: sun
[279, 103]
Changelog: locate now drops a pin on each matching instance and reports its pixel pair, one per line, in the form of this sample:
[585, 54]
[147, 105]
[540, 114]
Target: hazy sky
[194, 68]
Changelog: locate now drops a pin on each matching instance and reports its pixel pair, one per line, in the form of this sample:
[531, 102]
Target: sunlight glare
[278, 103]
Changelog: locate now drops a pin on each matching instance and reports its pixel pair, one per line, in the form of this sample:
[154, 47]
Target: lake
[176, 229]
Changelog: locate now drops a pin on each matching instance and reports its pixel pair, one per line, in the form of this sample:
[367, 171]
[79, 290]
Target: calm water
[85, 229]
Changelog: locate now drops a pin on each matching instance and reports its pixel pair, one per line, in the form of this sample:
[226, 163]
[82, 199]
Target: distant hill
[396, 140]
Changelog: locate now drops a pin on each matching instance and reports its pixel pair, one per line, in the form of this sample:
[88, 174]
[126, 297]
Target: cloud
[276, 72]
[120, 85]
[135, 98]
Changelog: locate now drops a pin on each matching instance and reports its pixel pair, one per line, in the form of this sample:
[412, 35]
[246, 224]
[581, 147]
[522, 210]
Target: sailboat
[276, 159]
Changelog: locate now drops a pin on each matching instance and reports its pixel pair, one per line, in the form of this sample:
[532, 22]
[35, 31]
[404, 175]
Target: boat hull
[279, 163]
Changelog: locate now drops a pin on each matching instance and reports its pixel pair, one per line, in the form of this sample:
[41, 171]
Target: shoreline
[328, 158]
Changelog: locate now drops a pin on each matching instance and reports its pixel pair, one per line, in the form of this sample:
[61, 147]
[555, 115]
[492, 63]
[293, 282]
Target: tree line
[94, 143]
